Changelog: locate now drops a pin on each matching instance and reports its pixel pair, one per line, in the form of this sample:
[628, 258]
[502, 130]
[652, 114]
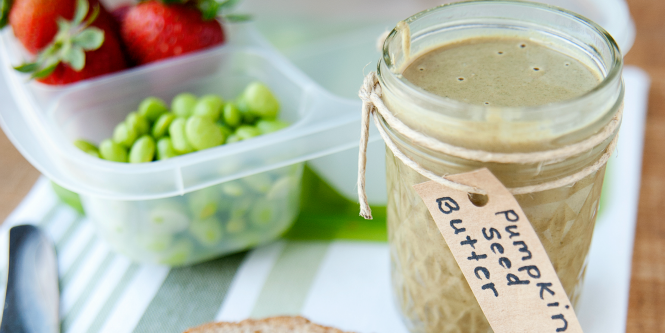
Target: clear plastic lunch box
[221, 200]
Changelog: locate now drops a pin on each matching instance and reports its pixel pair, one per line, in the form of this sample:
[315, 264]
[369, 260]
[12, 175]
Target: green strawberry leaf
[75, 57]
[236, 17]
[82, 7]
[228, 4]
[89, 39]
[93, 16]
[5, 6]
[44, 72]
[27, 68]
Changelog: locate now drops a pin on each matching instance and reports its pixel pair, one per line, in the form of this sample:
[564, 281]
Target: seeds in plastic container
[161, 126]
[124, 134]
[203, 203]
[280, 188]
[207, 231]
[87, 147]
[167, 219]
[209, 106]
[232, 189]
[203, 133]
[112, 151]
[139, 123]
[236, 225]
[178, 253]
[259, 182]
[178, 136]
[260, 101]
[262, 212]
[152, 108]
[183, 105]
[165, 149]
[269, 126]
[231, 115]
[143, 150]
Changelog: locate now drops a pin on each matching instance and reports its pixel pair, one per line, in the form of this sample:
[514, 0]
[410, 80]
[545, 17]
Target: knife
[32, 295]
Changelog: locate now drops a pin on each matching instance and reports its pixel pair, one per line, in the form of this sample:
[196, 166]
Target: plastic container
[192, 207]
[334, 43]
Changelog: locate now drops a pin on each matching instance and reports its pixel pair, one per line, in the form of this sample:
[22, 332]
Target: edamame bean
[178, 253]
[124, 135]
[232, 189]
[143, 150]
[209, 106]
[269, 126]
[247, 132]
[138, 122]
[87, 147]
[259, 182]
[161, 126]
[231, 115]
[236, 225]
[152, 107]
[183, 104]
[226, 131]
[207, 231]
[260, 100]
[203, 203]
[233, 138]
[203, 133]
[165, 149]
[70, 198]
[247, 116]
[112, 151]
[178, 136]
[167, 219]
[262, 213]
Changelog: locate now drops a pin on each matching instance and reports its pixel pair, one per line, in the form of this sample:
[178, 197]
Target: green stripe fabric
[76, 265]
[290, 279]
[70, 317]
[190, 296]
[110, 303]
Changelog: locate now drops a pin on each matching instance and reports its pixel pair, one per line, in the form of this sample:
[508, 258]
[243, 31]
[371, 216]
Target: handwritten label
[501, 256]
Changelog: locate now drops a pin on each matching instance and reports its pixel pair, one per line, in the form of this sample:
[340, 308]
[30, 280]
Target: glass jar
[428, 285]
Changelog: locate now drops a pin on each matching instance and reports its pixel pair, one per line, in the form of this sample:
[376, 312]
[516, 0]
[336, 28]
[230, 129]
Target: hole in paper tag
[500, 255]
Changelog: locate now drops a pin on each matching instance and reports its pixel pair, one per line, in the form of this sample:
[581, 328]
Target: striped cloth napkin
[330, 268]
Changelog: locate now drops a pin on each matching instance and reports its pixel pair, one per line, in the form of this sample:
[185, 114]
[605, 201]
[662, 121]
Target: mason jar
[429, 287]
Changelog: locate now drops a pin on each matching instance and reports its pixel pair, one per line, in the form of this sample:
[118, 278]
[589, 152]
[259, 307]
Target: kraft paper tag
[501, 256]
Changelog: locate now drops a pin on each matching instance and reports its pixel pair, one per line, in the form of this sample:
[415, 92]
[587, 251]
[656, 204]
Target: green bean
[70, 198]
[231, 115]
[269, 126]
[183, 104]
[165, 149]
[112, 151]
[236, 225]
[179, 253]
[260, 100]
[179, 137]
[124, 135]
[152, 107]
[209, 106]
[226, 131]
[138, 122]
[167, 219]
[262, 213]
[247, 116]
[203, 133]
[161, 126]
[232, 189]
[203, 203]
[143, 150]
[247, 132]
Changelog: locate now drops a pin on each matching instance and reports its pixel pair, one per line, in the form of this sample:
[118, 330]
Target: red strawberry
[35, 21]
[80, 49]
[152, 31]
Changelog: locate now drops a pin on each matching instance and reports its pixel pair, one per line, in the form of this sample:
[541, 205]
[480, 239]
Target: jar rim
[612, 74]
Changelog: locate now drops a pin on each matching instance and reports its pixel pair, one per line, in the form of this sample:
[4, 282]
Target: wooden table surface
[647, 290]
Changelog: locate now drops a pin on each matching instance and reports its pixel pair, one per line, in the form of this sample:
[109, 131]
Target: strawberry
[80, 50]
[153, 31]
[35, 21]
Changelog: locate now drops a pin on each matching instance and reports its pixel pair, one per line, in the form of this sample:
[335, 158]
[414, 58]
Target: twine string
[370, 93]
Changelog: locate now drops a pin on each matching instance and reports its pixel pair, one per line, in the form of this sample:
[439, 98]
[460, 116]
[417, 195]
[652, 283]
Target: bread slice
[282, 324]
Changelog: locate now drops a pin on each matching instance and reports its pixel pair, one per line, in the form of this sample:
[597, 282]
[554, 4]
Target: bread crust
[277, 324]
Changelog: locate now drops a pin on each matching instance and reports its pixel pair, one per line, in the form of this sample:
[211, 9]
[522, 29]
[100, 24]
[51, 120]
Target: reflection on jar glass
[502, 77]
